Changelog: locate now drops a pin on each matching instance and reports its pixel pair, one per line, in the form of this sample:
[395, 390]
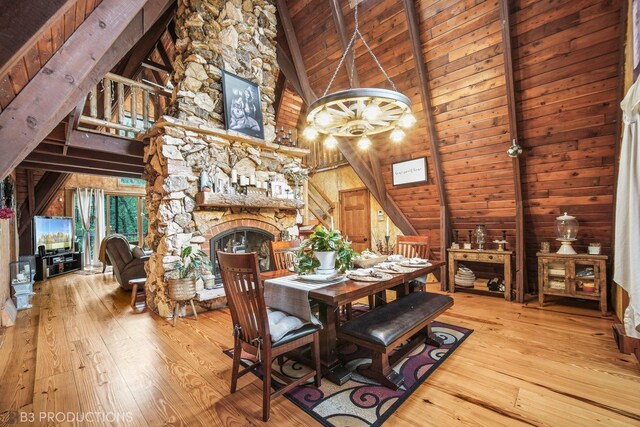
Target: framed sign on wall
[410, 171]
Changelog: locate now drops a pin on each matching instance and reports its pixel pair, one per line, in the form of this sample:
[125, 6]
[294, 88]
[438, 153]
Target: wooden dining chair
[245, 293]
[413, 246]
[283, 253]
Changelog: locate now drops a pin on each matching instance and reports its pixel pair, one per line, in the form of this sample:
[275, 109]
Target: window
[123, 217]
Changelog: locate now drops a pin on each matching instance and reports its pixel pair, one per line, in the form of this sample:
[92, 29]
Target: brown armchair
[126, 264]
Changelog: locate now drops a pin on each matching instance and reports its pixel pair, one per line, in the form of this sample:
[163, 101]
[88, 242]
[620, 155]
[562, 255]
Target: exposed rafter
[78, 169]
[130, 65]
[290, 34]
[281, 86]
[289, 70]
[521, 276]
[108, 33]
[354, 81]
[413, 26]
[106, 143]
[338, 20]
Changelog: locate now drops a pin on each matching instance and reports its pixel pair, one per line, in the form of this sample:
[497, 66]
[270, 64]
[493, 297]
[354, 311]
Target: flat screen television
[55, 233]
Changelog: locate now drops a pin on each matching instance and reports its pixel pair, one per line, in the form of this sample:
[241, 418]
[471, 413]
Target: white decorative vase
[327, 262]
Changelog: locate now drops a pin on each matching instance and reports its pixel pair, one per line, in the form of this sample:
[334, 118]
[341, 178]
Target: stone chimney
[239, 37]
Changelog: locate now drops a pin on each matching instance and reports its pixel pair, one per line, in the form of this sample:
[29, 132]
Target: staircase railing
[123, 107]
[320, 205]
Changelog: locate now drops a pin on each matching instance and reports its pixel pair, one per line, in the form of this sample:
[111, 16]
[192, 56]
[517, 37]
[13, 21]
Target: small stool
[138, 293]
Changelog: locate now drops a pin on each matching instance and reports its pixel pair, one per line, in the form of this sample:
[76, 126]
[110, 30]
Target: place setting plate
[397, 269]
[321, 278]
[371, 277]
[415, 263]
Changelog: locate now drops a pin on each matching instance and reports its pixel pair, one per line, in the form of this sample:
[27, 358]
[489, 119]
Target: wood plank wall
[566, 75]
[565, 55]
[462, 44]
[42, 50]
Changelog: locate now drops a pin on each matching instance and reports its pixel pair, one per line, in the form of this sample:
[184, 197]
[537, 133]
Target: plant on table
[323, 240]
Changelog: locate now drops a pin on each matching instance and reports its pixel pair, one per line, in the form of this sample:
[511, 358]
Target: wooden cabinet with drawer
[483, 256]
[573, 276]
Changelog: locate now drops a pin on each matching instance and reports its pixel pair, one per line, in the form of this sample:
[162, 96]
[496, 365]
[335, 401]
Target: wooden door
[355, 217]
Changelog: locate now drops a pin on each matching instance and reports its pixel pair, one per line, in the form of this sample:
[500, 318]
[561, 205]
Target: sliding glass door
[126, 216]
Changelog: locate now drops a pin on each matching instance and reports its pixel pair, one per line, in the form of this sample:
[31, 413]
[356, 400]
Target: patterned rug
[362, 401]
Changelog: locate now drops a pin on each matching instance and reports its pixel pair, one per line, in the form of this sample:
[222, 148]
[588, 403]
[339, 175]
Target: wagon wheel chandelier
[359, 112]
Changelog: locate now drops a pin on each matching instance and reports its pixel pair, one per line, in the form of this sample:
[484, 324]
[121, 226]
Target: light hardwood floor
[80, 349]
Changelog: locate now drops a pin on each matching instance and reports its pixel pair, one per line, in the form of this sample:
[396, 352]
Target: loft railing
[321, 158]
[123, 107]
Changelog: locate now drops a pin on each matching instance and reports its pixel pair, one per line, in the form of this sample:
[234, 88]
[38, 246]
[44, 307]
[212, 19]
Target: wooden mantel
[210, 199]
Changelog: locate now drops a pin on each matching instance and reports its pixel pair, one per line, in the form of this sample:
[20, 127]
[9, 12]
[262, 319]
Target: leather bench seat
[387, 323]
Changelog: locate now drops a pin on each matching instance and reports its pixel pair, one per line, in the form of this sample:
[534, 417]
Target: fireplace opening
[239, 241]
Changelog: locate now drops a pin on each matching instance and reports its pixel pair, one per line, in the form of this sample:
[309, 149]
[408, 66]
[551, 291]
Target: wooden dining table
[331, 297]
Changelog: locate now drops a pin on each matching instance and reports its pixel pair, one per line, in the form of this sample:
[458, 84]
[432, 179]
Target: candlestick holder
[386, 239]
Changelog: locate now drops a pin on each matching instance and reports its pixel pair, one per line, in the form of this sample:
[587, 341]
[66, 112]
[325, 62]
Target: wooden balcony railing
[123, 107]
[321, 158]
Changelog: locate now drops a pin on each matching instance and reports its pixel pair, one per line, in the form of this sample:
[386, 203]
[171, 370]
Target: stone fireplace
[239, 37]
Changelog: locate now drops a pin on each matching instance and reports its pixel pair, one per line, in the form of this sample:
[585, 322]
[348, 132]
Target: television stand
[55, 264]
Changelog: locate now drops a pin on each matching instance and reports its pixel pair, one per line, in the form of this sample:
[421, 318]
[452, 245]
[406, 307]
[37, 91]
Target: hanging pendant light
[359, 112]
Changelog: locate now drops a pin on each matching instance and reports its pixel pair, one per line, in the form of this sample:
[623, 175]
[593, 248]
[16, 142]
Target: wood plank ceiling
[567, 75]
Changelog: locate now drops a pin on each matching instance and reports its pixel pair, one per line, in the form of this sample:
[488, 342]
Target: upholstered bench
[406, 321]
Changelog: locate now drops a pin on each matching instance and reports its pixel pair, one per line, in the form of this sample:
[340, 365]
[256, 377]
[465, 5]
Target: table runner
[291, 295]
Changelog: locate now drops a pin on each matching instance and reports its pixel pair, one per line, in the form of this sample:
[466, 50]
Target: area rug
[362, 401]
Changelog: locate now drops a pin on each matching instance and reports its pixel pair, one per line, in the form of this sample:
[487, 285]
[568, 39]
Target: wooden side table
[573, 276]
[138, 293]
[484, 256]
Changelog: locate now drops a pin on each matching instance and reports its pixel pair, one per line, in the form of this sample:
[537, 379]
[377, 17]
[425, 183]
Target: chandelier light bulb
[397, 135]
[364, 143]
[323, 118]
[331, 142]
[371, 112]
[407, 120]
[310, 133]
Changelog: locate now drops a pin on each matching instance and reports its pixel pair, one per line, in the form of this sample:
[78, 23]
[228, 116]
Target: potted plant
[190, 268]
[324, 252]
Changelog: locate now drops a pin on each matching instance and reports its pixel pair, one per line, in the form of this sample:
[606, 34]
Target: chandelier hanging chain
[352, 44]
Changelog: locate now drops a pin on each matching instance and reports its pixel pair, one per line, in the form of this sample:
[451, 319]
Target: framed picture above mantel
[242, 105]
[412, 171]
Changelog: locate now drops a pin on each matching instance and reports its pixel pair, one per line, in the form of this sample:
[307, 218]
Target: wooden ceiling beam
[105, 143]
[98, 164]
[82, 154]
[163, 53]
[338, 20]
[281, 86]
[77, 169]
[152, 65]
[413, 26]
[289, 70]
[110, 31]
[22, 25]
[130, 65]
[296, 54]
[354, 81]
[521, 263]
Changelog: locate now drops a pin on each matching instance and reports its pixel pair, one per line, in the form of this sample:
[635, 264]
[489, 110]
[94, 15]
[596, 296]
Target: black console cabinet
[53, 265]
